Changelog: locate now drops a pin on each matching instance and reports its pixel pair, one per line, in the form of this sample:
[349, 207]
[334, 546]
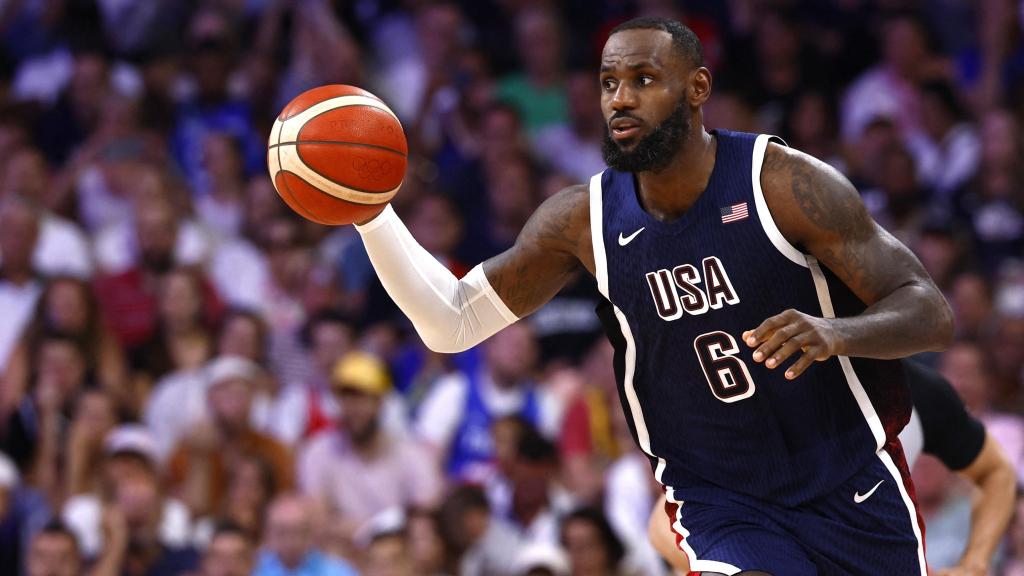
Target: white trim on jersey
[763, 214]
[601, 271]
[866, 408]
[597, 234]
[691, 556]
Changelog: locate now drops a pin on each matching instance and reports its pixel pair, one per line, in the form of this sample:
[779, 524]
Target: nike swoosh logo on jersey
[628, 239]
[857, 498]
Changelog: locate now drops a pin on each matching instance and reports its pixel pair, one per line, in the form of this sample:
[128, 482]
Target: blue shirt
[314, 564]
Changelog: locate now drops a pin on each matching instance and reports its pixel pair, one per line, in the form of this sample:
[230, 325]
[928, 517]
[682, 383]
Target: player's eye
[646, 80]
[608, 84]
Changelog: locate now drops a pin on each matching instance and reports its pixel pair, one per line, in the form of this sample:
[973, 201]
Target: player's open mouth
[623, 128]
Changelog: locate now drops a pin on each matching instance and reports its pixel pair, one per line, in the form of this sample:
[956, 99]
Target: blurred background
[196, 381]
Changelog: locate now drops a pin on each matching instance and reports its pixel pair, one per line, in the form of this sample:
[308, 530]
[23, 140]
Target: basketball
[337, 154]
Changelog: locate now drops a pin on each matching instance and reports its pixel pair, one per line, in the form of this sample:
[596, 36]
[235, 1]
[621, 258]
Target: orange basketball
[337, 154]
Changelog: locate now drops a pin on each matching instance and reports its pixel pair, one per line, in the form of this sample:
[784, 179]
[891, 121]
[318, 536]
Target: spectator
[949, 148]
[95, 415]
[69, 306]
[891, 88]
[574, 148]
[182, 339]
[53, 552]
[897, 202]
[534, 503]
[212, 52]
[62, 247]
[19, 289]
[456, 416]
[289, 547]
[479, 543]
[426, 546]
[966, 367]
[304, 409]
[129, 452]
[222, 185]
[381, 469]
[593, 547]
[389, 554]
[44, 414]
[131, 534]
[230, 553]
[216, 443]
[23, 513]
[542, 559]
[538, 92]
[128, 295]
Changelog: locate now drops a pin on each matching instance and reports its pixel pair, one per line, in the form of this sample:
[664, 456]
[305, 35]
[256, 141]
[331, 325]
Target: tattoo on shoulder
[830, 203]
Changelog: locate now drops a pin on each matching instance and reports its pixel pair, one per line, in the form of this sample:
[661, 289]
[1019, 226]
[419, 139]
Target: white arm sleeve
[451, 315]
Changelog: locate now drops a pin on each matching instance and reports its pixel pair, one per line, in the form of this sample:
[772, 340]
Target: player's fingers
[787, 349]
[759, 334]
[774, 342]
[801, 364]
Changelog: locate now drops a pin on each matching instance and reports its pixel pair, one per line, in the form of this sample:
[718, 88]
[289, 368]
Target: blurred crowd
[197, 381]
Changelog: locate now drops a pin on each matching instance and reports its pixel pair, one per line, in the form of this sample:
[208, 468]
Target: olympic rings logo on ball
[374, 168]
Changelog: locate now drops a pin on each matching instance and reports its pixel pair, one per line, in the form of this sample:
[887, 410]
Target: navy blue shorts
[868, 526]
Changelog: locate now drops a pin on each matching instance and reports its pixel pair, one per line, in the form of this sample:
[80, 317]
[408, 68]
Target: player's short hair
[684, 40]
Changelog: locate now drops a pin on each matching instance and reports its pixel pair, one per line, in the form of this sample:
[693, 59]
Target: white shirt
[241, 275]
[18, 304]
[115, 248]
[63, 249]
[83, 515]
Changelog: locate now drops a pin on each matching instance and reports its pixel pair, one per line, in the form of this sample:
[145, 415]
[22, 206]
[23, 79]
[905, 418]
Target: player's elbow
[443, 344]
[945, 329]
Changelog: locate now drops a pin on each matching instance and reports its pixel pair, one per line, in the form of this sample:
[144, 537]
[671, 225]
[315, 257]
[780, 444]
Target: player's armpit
[817, 208]
[553, 243]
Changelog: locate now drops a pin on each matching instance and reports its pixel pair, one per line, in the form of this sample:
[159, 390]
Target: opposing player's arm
[993, 474]
[553, 243]
[452, 314]
[814, 206]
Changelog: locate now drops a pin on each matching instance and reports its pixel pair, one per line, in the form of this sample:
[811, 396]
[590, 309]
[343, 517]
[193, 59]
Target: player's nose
[624, 97]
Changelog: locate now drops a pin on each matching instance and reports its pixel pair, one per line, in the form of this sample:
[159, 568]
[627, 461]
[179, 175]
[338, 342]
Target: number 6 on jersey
[727, 375]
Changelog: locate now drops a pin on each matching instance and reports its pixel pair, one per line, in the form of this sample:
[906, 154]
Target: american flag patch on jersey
[734, 212]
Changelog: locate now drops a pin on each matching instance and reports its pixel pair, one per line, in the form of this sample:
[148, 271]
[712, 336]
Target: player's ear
[700, 86]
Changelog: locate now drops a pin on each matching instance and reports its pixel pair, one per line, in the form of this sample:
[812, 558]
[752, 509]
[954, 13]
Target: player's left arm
[816, 207]
[992, 511]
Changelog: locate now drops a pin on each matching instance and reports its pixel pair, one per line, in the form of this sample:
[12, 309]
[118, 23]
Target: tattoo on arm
[549, 248]
[816, 207]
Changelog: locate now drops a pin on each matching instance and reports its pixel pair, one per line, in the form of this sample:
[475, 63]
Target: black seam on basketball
[298, 152]
[332, 196]
[349, 106]
[342, 142]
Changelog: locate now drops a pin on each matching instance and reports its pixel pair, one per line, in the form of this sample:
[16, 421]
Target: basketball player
[751, 299]
[941, 426]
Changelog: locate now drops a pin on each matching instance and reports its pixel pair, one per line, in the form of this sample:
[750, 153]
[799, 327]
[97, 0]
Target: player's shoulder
[786, 167]
[564, 219]
[805, 195]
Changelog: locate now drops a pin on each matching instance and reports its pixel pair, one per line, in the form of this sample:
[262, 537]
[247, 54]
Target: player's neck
[668, 194]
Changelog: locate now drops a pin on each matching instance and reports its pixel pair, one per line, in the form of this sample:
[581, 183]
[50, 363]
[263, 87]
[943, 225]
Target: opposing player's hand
[782, 335]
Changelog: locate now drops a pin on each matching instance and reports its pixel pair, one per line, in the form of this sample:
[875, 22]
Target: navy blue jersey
[682, 293]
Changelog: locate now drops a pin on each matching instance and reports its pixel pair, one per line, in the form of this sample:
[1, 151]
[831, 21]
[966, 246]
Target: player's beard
[653, 152]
